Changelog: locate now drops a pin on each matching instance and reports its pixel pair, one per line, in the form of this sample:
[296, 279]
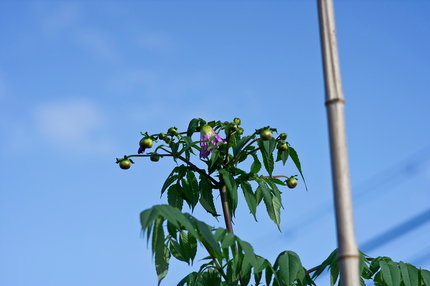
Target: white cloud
[72, 125]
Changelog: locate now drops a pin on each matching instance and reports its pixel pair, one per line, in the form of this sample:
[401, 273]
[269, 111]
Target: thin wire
[397, 231]
[404, 170]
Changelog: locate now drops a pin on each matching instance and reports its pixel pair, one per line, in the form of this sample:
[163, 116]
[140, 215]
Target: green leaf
[329, 260]
[266, 149]
[214, 161]
[191, 189]
[176, 217]
[188, 144]
[256, 165]
[194, 123]
[374, 265]
[269, 273]
[288, 264]
[378, 280]
[272, 183]
[188, 280]
[220, 234]
[272, 210]
[210, 277]
[248, 251]
[188, 244]
[364, 268]
[172, 230]
[175, 149]
[239, 145]
[250, 198]
[228, 240]
[206, 196]
[282, 155]
[169, 180]
[277, 211]
[425, 275]
[295, 157]
[390, 273]
[174, 197]
[207, 235]
[160, 251]
[147, 217]
[334, 272]
[409, 274]
[176, 251]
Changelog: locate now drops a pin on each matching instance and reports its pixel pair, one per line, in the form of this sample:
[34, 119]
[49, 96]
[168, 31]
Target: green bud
[232, 127]
[266, 134]
[292, 182]
[237, 121]
[283, 136]
[172, 131]
[211, 124]
[282, 146]
[154, 158]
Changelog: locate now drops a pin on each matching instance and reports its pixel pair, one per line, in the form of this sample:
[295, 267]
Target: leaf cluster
[191, 184]
[382, 270]
[230, 260]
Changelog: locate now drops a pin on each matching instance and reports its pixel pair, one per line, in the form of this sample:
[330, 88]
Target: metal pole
[348, 257]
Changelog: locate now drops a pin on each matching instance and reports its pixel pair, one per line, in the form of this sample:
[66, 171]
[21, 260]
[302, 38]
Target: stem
[194, 167]
[228, 146]
[280, 176]
[226, 208]
[220, 269]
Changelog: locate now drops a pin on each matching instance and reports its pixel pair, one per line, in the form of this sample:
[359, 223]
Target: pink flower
[208, 135]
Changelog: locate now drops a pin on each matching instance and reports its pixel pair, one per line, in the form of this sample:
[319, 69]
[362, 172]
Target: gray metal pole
[348, 256]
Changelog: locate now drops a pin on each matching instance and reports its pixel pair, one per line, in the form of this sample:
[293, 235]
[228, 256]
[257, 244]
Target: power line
[397, 231]
[404, 170]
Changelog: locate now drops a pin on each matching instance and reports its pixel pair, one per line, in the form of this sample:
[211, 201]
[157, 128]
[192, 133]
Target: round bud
[266, 134]
[283, 136]
[172, 131]
[282, 146]
[146, 142]
[154, 158]
[125, 164]
[232, 127]
[292, 182]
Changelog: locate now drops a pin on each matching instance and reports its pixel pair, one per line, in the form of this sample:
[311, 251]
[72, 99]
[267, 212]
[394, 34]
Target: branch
[194, 167]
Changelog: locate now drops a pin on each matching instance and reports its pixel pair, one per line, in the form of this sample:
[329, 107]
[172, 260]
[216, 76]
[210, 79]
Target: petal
[204, 150]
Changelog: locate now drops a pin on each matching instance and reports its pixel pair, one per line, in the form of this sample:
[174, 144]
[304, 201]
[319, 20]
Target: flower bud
[172, 131]
[283, 136]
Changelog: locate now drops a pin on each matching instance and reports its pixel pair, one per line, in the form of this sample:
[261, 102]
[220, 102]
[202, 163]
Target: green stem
[228, 146]
[219, 267]
[226, 208]
[195, 168]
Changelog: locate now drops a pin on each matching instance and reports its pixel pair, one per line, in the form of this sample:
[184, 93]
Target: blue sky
[80, 80]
